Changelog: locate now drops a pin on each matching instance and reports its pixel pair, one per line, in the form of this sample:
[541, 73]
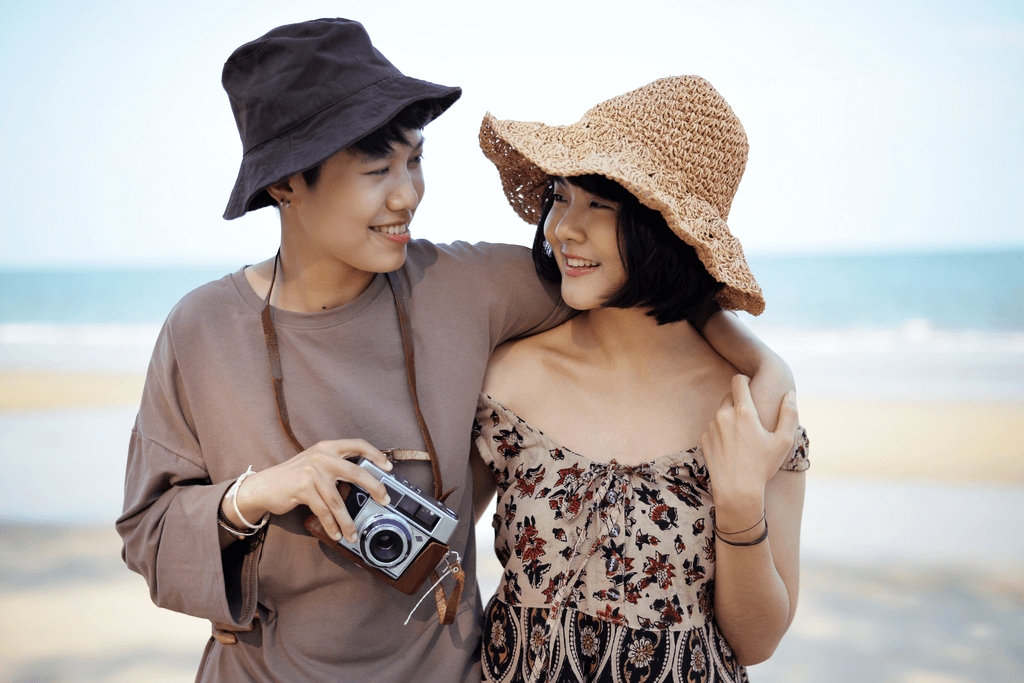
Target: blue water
[952, 291]
[95, 296]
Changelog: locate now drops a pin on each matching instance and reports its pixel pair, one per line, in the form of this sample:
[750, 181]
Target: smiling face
[358, 213]
[582, 229]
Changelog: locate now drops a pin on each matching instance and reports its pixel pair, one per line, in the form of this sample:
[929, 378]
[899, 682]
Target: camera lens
[385, 547]
[386, 541]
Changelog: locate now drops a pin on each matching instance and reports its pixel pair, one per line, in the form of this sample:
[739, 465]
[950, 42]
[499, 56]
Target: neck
[318, 286]
[307, 280]
[626, 337]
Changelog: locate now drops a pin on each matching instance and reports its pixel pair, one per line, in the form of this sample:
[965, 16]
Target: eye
[599, 205]
[379, 171]
[416, 160]
[557, 197]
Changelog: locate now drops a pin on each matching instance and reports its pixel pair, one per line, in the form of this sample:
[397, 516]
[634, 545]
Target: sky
[873, 126]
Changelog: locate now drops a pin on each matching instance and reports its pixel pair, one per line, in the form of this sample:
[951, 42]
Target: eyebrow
[369, 158]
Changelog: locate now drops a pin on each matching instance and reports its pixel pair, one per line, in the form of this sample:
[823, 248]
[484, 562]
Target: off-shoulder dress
[608, 569]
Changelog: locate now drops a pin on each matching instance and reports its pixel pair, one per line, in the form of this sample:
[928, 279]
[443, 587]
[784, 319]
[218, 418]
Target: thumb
[789, 419]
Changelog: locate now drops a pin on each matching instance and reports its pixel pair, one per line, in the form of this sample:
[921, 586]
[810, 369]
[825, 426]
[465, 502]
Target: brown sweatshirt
[208, 413]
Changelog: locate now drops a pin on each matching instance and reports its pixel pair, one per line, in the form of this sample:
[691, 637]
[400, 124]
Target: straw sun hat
[675, 144]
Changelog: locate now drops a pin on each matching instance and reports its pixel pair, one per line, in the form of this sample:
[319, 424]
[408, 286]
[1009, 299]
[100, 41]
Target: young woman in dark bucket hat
[266, 386]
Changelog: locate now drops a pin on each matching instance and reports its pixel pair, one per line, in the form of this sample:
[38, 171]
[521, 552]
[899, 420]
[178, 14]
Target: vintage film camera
[401, 542]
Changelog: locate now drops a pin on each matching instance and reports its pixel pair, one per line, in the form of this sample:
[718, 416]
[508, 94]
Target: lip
[399, 238]
[575, 271]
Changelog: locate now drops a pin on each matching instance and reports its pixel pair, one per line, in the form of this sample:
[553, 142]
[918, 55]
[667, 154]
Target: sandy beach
[979, 441]
[895, 610]
[35, 389]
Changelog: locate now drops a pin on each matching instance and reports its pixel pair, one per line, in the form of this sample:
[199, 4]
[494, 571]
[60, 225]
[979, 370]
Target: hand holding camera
[310, 478]
[399, 541]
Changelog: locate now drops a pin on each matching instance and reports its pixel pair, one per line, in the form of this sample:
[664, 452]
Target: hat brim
[527, 154]
[326, 133]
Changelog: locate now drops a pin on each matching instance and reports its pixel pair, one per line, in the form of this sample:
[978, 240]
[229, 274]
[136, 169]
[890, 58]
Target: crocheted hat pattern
[675, 144]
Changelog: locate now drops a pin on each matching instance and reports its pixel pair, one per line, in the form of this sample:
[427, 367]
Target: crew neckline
[315, 319]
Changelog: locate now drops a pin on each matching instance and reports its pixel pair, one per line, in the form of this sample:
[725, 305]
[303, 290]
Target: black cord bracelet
[226, 525]
[757, 540]
[737, 533]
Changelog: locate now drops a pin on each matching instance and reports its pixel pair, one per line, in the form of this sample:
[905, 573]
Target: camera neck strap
[446, 606]
[410, 370]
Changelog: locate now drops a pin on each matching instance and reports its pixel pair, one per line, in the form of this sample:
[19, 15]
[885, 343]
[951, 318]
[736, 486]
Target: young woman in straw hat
[639, 543]
[265, 385]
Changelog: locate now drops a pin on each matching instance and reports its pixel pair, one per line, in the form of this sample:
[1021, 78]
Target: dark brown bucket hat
[303, 92]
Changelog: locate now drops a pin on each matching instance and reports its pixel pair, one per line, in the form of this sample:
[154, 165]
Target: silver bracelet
[233, 495]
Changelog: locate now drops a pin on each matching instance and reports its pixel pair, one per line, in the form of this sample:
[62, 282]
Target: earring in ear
[285, 204]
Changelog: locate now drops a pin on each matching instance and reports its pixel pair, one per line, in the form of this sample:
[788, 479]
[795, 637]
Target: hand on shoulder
[741, 454]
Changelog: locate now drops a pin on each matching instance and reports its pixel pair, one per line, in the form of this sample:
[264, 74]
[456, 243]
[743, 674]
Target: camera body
[401, 539]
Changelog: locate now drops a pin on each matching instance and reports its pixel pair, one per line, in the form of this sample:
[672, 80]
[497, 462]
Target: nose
[405, 195]
[569, 226]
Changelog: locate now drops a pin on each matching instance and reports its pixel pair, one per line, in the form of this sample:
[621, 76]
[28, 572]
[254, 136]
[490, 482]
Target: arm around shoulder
[770, 376]
[522, 303]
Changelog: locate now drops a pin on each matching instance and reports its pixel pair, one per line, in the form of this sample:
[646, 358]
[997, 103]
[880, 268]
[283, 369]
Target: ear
[283, 192]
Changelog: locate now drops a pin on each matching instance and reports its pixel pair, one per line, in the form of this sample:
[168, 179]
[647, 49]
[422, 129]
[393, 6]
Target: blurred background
[881, 212]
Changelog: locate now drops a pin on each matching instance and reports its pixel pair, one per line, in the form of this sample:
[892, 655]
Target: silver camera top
[423, 509]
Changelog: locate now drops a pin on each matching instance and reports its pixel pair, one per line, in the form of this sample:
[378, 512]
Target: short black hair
[381, 142]
[664, 274]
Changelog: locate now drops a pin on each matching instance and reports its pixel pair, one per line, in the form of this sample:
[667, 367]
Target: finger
[224, 637]
[727, 402]
[789, 419]
[330, 493]
[351, 472]
[231, 628]
[724, 417]
[327, 505]
[741, 393]
[352, 447]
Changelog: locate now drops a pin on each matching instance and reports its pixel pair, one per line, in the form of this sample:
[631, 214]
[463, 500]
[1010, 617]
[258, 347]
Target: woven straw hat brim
[326, 133]
[526, 154]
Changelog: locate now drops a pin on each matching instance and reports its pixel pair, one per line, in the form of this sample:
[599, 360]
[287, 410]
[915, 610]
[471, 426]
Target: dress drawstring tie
[606, 488]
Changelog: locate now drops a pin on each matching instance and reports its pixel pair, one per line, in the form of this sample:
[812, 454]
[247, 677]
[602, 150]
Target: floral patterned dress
[609, 569]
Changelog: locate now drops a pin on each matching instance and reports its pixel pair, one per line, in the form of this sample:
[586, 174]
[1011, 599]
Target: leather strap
[275, 365]
[410, 371]
[446, 608]
[274, 356]
[398, 454]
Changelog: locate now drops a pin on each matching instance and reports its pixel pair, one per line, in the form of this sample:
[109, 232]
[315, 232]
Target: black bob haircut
[663, 272]
[382, 141]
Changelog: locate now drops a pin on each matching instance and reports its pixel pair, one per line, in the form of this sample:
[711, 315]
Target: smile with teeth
[573, 262]
[391, 229]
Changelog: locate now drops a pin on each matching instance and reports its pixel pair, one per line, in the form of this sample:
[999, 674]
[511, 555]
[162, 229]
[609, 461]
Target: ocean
[918, 325]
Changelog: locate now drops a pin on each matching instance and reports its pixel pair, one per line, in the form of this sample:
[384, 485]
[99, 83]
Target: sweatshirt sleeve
[169, 522]
[519, 301]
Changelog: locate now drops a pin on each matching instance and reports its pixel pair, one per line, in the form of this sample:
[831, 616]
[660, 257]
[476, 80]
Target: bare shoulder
[521, 362]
